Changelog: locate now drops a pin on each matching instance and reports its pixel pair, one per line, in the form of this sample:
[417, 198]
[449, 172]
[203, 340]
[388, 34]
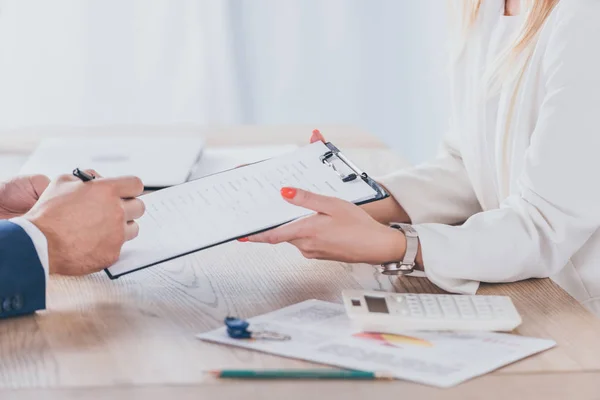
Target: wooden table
[133, 338]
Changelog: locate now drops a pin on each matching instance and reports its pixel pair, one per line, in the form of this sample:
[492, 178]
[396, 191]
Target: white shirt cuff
[436, 268]
[39, 241]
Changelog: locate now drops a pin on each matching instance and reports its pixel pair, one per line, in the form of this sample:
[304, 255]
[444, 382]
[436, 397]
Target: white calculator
[399, 312]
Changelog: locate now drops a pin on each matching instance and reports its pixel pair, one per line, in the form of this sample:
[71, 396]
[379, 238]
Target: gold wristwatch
[407, 265]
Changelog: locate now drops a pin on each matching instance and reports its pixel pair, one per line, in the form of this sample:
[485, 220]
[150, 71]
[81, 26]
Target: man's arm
[22, 274]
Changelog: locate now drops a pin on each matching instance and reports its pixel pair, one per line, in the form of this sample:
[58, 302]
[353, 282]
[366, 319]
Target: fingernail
[316, 132]
[288, 192]
[244, 239]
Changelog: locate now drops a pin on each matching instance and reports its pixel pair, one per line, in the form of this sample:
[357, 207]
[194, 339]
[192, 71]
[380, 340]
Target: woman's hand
[339, 231]
[317, 136]
[384, 211]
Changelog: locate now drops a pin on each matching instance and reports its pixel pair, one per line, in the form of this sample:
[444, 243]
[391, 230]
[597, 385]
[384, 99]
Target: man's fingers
[126, 186]
[134, 209]
[39, 183]
[132, 229]
[93, 173]
[312, 201]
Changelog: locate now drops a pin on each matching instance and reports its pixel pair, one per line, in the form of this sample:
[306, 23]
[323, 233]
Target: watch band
[407, 265]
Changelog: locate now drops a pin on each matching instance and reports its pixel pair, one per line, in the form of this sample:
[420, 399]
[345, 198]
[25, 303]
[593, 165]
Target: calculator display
[376, 304]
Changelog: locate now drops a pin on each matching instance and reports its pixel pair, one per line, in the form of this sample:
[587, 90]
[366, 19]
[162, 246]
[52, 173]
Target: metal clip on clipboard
[329, 157]
[327, 160]
[334, 154]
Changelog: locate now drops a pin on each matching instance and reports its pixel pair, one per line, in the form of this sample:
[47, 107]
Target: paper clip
[238, 329]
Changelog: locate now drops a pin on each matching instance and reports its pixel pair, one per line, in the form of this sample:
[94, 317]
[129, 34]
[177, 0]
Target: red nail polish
[244, 239]
[288, 192]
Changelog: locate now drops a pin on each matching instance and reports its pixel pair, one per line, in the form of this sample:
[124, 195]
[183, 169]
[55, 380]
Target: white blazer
[538, 214]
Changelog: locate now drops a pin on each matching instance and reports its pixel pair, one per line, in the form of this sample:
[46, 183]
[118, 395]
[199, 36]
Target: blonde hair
[511, 64]
[536, 12]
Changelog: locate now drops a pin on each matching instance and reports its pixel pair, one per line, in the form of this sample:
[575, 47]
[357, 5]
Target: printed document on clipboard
[219, 208]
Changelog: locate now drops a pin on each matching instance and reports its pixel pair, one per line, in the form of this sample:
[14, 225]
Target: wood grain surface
[575, 386]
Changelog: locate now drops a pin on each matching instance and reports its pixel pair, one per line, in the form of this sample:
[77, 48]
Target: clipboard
[329, 158]
[345, 170]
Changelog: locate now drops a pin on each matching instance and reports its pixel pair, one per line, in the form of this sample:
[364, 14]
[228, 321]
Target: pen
[83, 175]
[298, 374]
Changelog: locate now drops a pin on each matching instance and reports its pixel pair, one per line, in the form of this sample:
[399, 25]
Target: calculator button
[466, 311]
[499, 301]
[434, 314]
[433, 310]
[449, 306]
[448, 310]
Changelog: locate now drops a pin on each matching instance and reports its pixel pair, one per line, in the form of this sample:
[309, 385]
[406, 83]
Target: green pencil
[298, 374]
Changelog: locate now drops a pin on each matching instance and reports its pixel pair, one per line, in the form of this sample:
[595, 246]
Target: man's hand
[18, 195]
[87, 223]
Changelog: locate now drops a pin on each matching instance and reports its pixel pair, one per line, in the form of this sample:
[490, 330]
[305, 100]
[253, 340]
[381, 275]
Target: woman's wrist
[393, 246]
[395, 249]
[386, 211]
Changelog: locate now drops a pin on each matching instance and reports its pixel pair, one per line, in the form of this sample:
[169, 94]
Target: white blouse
[528, 191]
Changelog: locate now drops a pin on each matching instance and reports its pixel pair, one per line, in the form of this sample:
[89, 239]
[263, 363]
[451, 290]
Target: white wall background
[378, 64]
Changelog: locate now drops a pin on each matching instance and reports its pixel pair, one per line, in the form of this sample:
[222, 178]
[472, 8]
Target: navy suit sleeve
[22, 276]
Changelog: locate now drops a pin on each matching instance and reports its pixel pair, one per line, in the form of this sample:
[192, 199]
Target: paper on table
[221, 207]
[321, 332]
[159, 161]
[220, 159]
